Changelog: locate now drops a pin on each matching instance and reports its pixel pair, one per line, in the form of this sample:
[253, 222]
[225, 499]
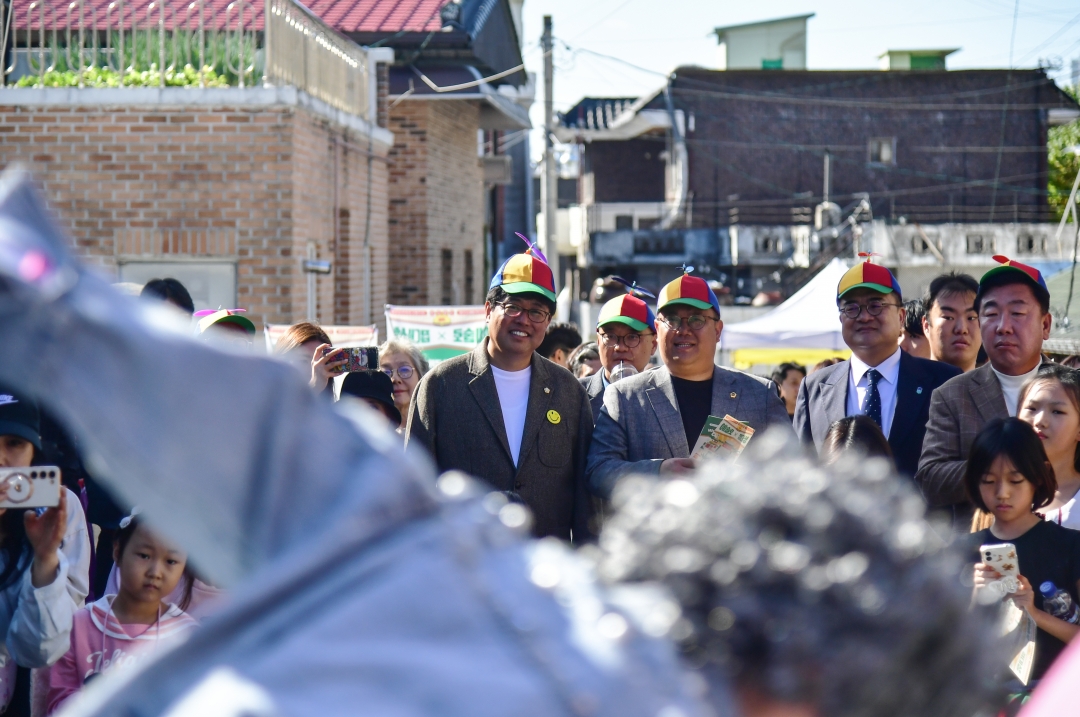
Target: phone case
[1002, 557]
[361, 358]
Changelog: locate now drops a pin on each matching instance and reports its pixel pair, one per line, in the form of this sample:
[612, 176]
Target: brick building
[726, 170]
[225, 189]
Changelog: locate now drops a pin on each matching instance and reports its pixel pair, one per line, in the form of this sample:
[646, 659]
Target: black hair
[583, 353]
[1069, 378]
[1010, 278]
[781, 372]
[121, 540]
[559, 336]
[953, 282]
[855, 433]
[169, 290]
[913, 317]
[821, 585]
[498, 296]
[1017, 441]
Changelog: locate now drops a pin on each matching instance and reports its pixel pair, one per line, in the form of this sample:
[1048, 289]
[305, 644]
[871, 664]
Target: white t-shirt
[513, 388]
[1011, 385]
[1067, 515]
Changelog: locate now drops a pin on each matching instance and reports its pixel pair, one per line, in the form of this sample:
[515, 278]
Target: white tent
[808, 320]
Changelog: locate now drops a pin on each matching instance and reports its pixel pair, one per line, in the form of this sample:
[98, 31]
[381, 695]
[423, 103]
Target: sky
[657, 36]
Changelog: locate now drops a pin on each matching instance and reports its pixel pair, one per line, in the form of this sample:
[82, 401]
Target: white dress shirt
[859, 384]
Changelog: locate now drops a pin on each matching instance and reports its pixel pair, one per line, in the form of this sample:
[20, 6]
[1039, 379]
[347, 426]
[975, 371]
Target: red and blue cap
[689, 290]
[1028, 274]
[865, 275]
[526, 273]
[630, 310]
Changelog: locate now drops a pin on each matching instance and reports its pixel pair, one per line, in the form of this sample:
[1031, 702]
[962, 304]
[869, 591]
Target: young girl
[1008, 475]
[119, 630]
[1050, 402]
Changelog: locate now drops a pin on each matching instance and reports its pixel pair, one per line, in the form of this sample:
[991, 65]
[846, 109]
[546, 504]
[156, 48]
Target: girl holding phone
[1009, 476]
[1050, 403]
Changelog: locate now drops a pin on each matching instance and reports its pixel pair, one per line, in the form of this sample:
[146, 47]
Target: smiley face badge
[553, 417]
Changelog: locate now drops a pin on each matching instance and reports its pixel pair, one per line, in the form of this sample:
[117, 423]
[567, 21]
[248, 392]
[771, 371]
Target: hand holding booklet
[722, 438]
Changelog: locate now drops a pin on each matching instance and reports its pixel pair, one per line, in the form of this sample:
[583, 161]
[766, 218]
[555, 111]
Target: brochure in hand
[722, 438]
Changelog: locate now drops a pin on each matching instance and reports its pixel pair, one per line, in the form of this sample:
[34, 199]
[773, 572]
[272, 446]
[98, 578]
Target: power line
[1004, 111]
[620, 6]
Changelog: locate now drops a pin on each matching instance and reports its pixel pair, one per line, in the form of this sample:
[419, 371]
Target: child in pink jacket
[120, 630]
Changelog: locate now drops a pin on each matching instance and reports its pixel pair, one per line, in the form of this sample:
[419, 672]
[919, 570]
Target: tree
[1063, 164]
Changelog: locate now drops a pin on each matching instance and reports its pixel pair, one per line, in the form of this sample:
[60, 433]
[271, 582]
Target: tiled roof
[345, 15]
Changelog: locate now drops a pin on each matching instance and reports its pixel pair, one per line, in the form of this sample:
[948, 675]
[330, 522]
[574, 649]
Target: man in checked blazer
[650, 422]
[1013, 304]
[880, 380]
[507, 415]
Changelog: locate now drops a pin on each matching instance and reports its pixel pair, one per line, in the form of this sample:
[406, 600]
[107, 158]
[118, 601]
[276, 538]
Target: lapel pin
[919, 390]
[553, 417]
[733, 394]
[548, 390]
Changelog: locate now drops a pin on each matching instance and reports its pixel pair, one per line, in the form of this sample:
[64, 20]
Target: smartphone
[1002, 558]
[361, 358]
[31, 487]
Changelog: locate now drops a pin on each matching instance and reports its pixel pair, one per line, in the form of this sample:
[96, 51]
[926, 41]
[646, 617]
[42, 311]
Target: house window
[648, 222]
[660, 243]
[882, 150]
[1030, 244]
[919, 245]
[769, 245]
[447, 277]
[979, 244]
[468, 277]
[624, 222]
[212, 284]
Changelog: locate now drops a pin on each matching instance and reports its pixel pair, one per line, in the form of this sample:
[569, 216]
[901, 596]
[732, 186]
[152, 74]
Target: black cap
[19, 416]
[375, 385]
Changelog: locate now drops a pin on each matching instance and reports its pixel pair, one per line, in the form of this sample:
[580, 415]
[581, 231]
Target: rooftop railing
[164, 43]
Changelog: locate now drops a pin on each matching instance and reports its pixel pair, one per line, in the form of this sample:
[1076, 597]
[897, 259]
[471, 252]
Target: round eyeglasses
[695, 322]
[630, 341]
[537, 316]
[403, 372]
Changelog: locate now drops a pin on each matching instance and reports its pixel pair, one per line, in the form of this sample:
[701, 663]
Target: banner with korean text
[340, 336]
[441, 332]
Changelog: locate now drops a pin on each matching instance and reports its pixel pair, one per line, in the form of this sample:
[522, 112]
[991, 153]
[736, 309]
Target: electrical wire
[1004, 112]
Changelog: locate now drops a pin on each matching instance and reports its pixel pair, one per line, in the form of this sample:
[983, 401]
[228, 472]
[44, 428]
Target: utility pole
[549, 189]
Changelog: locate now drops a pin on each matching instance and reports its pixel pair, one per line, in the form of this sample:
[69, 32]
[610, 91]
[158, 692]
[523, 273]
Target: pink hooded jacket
[100, 643]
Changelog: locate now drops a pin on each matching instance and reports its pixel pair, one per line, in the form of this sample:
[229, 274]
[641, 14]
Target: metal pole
[828, 178]
[550, 187]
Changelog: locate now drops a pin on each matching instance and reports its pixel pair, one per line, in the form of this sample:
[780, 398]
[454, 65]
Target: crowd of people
[952, 391]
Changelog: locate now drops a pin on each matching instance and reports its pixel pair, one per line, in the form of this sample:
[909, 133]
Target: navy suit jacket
[823, 400]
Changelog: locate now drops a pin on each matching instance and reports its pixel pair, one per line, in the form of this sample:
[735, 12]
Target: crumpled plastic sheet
[356, 584]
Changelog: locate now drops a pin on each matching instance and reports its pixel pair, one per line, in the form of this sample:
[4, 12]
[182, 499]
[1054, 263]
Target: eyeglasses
[537, 316]
[629, 340]
[873, 308]
[403, 372]
[695, 322]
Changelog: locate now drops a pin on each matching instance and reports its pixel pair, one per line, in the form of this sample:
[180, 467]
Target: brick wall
[250, 185]
[436, 190]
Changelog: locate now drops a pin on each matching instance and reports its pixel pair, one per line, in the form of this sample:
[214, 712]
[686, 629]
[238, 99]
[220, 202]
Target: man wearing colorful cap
[505, 414]
[880, 380]
[1013, 304]
[625, 334]
[650, 422]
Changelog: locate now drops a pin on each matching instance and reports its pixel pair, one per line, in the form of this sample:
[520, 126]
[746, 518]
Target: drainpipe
[678, 165]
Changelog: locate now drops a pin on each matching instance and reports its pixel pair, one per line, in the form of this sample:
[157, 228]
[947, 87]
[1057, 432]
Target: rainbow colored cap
[690, 290]
[630, 310]
[1008, 266]
[525, 273]
[208, 318]
[865, 275]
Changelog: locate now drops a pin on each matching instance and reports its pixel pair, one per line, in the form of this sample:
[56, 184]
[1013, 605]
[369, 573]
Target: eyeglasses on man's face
[403, 372]
[630, 341]
[695, 322]
[874, 307]
[537, 316]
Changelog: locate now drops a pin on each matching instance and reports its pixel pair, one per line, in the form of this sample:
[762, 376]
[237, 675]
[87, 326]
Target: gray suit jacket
[457, 417]
[958, 411]
[640, 425]
[594, 389]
